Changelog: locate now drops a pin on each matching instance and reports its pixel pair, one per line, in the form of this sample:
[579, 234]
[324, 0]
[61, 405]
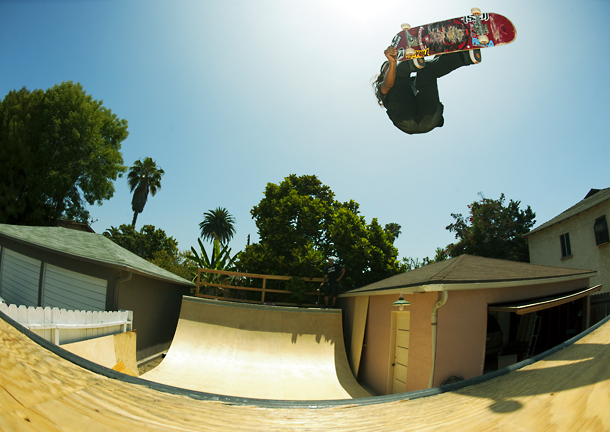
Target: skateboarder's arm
[390, 71]
[342, 273]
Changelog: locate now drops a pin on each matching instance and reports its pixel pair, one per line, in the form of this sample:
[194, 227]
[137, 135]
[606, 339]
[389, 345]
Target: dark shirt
[333, 273]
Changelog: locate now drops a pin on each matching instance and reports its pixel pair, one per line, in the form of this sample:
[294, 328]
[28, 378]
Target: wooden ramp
[109, 351]
[262, 352]
[44, 388]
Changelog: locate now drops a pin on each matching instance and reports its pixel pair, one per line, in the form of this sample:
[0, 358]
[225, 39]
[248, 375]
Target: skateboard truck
[478, 26]
[409, 52]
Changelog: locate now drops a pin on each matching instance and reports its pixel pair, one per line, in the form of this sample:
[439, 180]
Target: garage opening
[522, 329]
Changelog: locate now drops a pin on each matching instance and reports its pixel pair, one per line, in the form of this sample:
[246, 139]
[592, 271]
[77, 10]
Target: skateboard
[479, 30]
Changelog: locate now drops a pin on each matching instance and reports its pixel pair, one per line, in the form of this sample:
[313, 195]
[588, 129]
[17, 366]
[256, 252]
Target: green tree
[300, 224]
[176, 263]
[217, 225]
[144, 243]
[143, 177]
[492, 230]
[59, 150]
[394, 229]
[440, 254]
[153, 245]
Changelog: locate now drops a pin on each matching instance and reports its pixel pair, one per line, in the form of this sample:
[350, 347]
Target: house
[577, 238]
[467, 315]
[79, 270]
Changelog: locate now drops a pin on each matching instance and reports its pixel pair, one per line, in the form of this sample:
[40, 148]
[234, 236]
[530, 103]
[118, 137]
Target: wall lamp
[401, 302]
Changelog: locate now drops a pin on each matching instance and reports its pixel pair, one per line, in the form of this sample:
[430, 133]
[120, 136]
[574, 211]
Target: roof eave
[469, 286]
[548, 224]
[120, 267]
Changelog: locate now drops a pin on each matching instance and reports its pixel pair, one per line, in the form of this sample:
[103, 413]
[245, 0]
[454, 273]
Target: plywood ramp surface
[262, 352]
[108, 350]
[42, 391]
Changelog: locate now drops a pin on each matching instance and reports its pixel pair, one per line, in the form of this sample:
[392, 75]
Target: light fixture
[401, 302]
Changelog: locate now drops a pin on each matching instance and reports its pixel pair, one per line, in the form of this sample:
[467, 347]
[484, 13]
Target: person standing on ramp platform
[334, 273]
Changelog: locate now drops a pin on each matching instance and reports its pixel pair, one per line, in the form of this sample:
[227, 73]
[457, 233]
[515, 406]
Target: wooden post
[264, 284]
[198, 281]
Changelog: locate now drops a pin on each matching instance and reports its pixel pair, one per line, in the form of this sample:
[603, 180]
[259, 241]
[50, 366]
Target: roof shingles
[87, 246]
[471, 269]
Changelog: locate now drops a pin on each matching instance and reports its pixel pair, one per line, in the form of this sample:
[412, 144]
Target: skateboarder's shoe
[416, 64]
[405, 67]
[472, 56]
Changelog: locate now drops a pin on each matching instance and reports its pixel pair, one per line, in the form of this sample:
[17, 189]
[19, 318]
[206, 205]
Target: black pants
[331, 290]
[420, 107]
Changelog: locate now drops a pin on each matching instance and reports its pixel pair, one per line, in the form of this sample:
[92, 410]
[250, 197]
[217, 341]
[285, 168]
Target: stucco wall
[545, 248]
[374, 365]
[156, 305]
[462, 327]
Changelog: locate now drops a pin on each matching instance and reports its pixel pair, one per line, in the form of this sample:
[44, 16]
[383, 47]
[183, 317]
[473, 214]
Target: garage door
[73, 291]
[19, 276]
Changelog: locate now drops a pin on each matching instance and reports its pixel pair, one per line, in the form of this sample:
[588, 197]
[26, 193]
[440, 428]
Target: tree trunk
[135, 217]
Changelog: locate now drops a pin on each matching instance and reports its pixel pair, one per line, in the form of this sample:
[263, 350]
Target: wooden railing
[263, 290]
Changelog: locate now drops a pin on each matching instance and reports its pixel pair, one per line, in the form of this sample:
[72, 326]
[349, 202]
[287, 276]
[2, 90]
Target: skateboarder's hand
[391, 53]
[389, 71]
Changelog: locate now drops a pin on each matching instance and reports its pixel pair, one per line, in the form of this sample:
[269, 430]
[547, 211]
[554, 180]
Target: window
[601, 230]
[566, 250]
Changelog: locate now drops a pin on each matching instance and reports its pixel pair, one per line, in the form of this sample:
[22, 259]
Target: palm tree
[143, 177]
[217, 225]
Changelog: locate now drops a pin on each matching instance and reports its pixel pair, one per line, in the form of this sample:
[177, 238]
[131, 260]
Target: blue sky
[228, 96]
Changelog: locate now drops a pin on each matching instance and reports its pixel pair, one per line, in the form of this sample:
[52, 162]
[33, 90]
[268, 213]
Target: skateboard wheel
[405, 26]
[475, 11]
[409, 52]
[484, 39]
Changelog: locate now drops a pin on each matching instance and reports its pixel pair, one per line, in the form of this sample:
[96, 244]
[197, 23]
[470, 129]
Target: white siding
[19, 276]
[545, 247]
[73, 291]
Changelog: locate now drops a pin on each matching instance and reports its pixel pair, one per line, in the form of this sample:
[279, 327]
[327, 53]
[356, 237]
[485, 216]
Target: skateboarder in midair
[413, 103]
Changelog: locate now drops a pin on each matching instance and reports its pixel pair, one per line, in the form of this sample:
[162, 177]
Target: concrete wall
[462, 328]
[545, 248]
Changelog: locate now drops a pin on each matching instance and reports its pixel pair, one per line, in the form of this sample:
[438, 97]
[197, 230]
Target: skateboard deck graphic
[480, 30]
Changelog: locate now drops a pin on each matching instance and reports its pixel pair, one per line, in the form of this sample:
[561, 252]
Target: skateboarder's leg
[429, 107]
[327, 292]
[428, 100]
[334, 293]
[439, 67]
[445, 64]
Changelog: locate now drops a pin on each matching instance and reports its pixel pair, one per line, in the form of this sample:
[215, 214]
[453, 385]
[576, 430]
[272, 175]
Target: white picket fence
[64, 326]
